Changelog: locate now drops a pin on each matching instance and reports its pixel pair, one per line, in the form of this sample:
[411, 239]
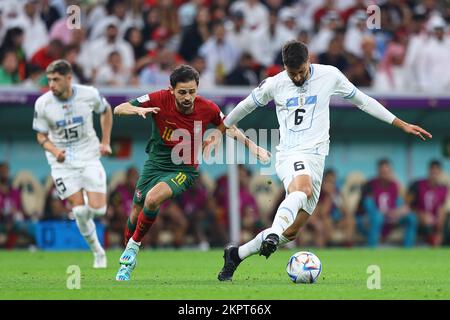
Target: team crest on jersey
[143, 98]
[138, 194]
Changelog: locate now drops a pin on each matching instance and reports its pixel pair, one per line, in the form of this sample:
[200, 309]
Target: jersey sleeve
[263, 93]
[147, 100]
[343, 87]
[217, 115]
[39, 122]
[100, 103]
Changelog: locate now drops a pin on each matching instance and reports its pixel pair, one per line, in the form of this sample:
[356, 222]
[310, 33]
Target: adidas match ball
[304, 267]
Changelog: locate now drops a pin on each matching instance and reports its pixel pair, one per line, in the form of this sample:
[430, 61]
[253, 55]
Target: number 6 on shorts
[299, 166]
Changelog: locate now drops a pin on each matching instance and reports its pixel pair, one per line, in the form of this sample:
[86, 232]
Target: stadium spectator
[13, 41]
[195, 35]
[157, 73]
[255, 13]
[120, 206]
[188, 11]
[370, 57]
[9, 68]
[169, 16]
[13, 221]
[199, 208]
[71, 55]
[220, 54]
[271, 33]
[335, 56]
[49, 13]
[152, 21]
[45, 55]
[427, 199]
[336, 221]
[110, 41]
[434, 54]
[358, 5]
[329, 25]
[206, 79]
[391, 73]
[113, 73]
[36, 35]
[329, 6]
[288, 22]
[382, 209]
[244, 73]
[250, 220]
[135, 38]
[170, 229]
[356, 31]
[237, 32]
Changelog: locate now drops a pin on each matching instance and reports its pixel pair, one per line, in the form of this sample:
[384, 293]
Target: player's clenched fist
[61, 156]
[105, 149]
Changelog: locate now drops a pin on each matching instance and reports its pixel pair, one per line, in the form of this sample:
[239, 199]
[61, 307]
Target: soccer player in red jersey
[179, 119]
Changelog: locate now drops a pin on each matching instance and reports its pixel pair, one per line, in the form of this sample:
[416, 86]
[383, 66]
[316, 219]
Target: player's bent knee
[305, 189]
[151, 203]
[95, 212]
[81, 213]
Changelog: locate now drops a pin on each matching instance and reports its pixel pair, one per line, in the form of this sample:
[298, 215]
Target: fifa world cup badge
[302, 100]
[139, 194]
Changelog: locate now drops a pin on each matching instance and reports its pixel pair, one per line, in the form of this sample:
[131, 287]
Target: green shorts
[178, 181]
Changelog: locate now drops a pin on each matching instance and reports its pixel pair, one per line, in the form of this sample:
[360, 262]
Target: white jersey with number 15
[69, 124]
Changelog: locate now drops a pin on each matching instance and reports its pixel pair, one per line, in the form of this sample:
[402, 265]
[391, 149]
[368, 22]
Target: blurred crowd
[123, 43]
[356, 211]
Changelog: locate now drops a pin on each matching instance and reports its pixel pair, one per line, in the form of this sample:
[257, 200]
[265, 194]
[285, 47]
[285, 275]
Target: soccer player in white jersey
[302, 96]
[64, 123]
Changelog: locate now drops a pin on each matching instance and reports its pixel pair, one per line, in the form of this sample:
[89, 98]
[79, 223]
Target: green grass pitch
[179, 275]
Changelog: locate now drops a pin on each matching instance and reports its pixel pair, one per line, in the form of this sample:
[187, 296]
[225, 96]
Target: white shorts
[91, 178]
[291, 165]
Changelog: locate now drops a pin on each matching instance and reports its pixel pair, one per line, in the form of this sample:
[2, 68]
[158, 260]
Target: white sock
[283, 241]
[87, 228]
[287, 212]
[253, 246]
[132, 242]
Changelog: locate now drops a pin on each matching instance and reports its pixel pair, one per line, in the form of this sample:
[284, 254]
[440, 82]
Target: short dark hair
[435, 163]
[59, 66]
[383, 161]
[294, 54]
[183, 73]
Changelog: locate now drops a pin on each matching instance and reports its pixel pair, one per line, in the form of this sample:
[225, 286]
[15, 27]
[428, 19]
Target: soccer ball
[304, 267]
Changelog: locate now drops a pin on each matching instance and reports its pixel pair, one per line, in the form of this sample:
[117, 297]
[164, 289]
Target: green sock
[131, 226]
[151, 214]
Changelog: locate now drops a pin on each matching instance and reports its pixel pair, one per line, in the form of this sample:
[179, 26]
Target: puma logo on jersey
[173, 123]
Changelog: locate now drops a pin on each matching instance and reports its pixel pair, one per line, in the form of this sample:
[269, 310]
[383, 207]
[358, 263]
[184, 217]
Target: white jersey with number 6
[303, 112]
[69, 124]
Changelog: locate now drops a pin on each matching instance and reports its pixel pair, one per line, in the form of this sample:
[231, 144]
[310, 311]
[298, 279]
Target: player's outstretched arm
[106, 122]
[45, 143]
[260, 153]
[127, 109]
[243, 108]
[377, 110]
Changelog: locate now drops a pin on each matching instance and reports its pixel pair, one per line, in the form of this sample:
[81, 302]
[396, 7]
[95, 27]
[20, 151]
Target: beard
[185, 105]
[299, 83]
